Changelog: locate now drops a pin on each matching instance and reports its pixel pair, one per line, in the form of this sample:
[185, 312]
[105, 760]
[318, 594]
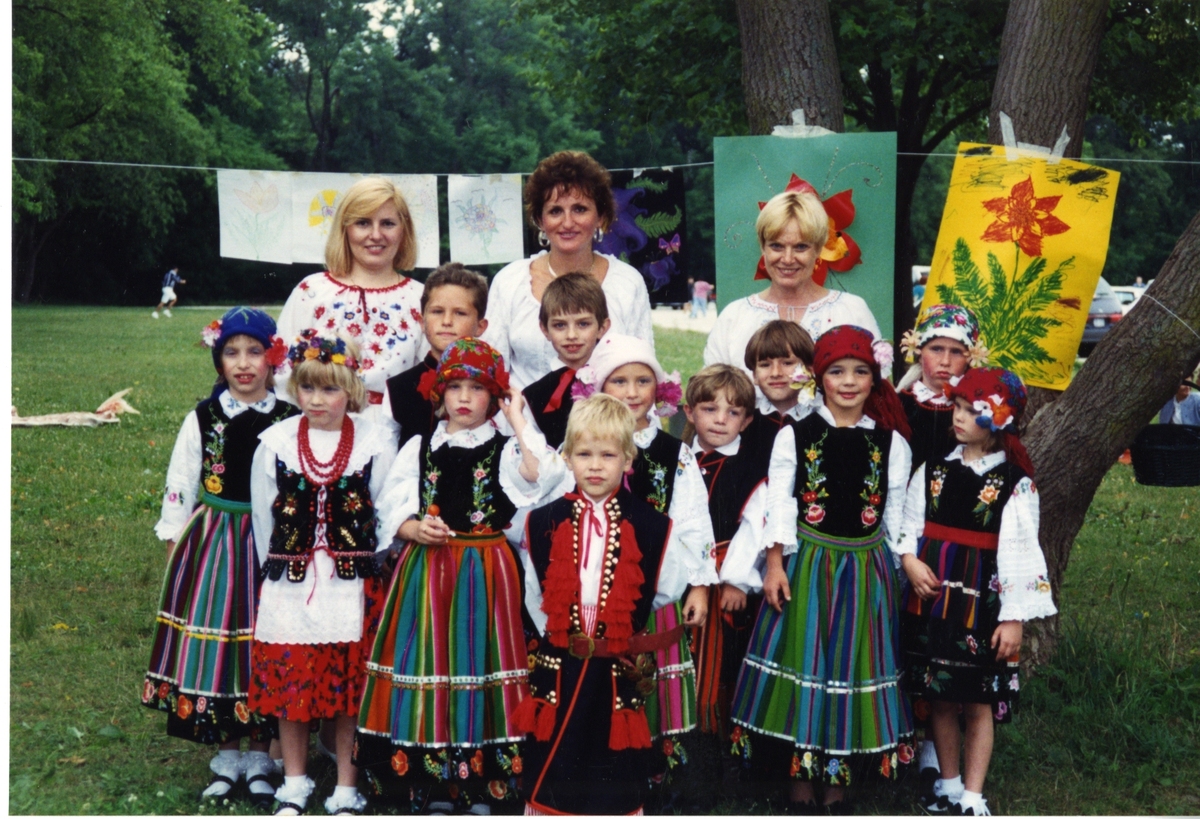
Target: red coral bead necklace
[323, 473]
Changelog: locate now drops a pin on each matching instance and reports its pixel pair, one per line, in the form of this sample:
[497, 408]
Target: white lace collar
[989, 461]
[925, 395]
[802, 408]
[756, 301]
[866, 422]
[233, 407]
[643, 437]
[464, 438]
[730, 448]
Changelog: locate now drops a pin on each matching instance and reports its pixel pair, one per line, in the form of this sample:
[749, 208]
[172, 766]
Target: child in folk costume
[200, 667]
[313, 487]
[449, 665]
[599, 562]
[943, 345]
[819, 688]
[666, 475]
[774, 355]
[970, 549]
[453, 305]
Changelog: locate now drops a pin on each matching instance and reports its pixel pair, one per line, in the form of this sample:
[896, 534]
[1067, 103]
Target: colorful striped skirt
[673, 711]
[449, 665]
[822, 676]
[200, 665]
[947, 640]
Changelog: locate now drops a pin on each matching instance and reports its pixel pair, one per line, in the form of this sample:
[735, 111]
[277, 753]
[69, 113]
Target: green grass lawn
[1110, 727]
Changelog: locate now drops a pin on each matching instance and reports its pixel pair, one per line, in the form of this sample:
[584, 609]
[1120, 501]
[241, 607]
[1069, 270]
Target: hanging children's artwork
[420, 192]
[485, 218]
[649, 229]
[1022, 245]
[315, 197]
[255, 210]
[855, 177]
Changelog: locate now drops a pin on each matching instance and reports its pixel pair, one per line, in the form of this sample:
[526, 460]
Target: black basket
[1167, 455]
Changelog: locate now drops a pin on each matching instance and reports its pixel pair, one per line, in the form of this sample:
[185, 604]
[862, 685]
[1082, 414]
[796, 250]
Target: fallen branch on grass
[106, 413]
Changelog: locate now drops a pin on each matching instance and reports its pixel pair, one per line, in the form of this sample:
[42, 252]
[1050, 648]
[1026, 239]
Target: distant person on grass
[169, 298]
[1184, 407]
[200, 665]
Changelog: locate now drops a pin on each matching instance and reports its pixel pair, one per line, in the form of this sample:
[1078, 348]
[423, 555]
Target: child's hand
[512, 405]
[732, 598]
[776, 589]
[923, 579]
[695, 607]
[1006, 639]
[170, 548]
[430, 530]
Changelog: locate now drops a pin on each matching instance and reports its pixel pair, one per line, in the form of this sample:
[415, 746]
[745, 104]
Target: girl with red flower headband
[969, 546]
[449, 665]
[819, 690]
[314, 485]
[199, 667]
[665, 474]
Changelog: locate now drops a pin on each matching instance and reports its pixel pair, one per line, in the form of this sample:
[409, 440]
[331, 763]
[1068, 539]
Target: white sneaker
[167, 313]
[154, 314]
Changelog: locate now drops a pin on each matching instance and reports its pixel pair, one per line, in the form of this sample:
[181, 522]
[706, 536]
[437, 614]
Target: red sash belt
[583, 647]
[966, 537]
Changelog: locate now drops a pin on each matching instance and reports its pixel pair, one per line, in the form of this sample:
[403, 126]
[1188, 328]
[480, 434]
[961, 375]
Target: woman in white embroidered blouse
[792, 229]
[363, 295]
[569, 199]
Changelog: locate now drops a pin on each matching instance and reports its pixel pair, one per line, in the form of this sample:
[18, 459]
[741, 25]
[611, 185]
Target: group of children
[497, 598]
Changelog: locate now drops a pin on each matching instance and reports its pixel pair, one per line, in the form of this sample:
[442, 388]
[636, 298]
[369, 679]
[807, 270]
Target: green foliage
[659, 223]
[647, 183]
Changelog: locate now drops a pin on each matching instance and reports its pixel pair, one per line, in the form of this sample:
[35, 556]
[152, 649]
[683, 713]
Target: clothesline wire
[210, 168]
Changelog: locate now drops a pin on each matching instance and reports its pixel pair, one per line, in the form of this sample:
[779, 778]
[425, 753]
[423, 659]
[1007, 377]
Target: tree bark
[1047, 58]
[1074, 441]
[789, 61]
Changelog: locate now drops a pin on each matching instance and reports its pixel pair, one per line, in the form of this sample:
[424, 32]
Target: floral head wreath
[244, 321]
[312, 346]
[466, 358]
[996, 393]
[615, 351]
[945, 321]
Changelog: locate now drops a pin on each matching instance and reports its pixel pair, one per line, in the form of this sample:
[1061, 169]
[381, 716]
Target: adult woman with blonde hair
[364, 294]
[569, 200]
[792, 229]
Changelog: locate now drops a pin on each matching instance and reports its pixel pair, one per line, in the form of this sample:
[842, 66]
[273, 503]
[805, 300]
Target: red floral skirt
[301, 682]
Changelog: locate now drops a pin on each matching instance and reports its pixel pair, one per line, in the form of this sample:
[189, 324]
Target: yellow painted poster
[1022, 244]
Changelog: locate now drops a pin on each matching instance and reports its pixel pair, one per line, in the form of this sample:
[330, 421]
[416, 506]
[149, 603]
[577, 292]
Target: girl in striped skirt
[200, 666]
[819, 688]
[450, 666]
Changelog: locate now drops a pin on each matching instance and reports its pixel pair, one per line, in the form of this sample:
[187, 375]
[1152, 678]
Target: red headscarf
[1000, 397]
[466, 358]
[846, 341]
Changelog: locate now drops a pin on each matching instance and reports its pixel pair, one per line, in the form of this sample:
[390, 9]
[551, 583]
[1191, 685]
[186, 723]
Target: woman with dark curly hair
[569, 200]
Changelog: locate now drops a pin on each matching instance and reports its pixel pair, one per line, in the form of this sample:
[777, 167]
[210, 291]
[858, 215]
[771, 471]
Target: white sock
[929, 756]
[970, 799]
[952, 788]
[345, 792]
[345, 796]
[258, 763]
[295, 789]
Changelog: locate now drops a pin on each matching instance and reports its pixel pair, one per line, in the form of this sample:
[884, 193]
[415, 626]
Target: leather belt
[583, 647]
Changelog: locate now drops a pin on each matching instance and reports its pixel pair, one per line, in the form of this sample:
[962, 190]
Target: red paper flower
[1023, 218]
[840, 252]
[277, 353]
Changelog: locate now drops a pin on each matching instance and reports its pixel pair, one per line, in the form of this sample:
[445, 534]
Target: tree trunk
[1074, 441]
[789, 61]
[1047, 58]
[29, 239]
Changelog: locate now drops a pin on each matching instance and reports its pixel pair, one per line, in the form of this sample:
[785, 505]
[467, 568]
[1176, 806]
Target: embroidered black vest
[465, 485]
[653, 477]
[730, 480]
[229, 445]
[553, 424]
[932, 430]
[349, 517]
[841, 477]
[650, 527]
[956, 496]
[411, 411]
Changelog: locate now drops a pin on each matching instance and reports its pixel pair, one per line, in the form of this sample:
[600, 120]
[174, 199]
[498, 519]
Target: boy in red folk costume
[599, 562]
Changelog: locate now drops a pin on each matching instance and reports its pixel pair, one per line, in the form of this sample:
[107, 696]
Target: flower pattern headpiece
[997, 394]
[244, 321]
[945, 321]
[466, 358]
[312, 346]
[615, 351]
[840, 252]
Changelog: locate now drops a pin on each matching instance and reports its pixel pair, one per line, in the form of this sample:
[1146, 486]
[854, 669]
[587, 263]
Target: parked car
[1102, 315]
[1128, 296]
